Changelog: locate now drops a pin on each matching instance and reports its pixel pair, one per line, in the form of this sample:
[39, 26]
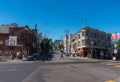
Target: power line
[50, 7]
[94, 13]
[38, 4]
[101, 9]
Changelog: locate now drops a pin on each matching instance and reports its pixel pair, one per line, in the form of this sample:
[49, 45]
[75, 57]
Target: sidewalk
[15, 60]
[93, 59]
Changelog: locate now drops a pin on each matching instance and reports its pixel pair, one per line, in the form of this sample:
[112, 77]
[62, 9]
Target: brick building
[25, 40]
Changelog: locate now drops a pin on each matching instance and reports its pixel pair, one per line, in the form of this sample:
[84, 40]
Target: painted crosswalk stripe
[110, 81]
[117, 66]
[110, 64]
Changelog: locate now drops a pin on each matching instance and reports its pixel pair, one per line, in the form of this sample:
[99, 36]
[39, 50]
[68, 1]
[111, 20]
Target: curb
[14, 61]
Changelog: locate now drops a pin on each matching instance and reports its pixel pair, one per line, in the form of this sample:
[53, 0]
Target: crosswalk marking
[117, 66]
[110, 64]
[110, 81]
[114, 80]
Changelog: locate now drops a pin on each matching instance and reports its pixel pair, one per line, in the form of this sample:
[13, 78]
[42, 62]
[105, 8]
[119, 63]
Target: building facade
[91, 42]
[26, 40]
[57, 43]
[68, 44]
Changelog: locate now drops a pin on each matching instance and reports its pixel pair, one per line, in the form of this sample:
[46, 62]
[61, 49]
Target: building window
[91, 34]
[78, 35]
[98, 36]
[83, 33]
[88, 42]
[20, 35]
[102, 37]
[79, 43]
[109, 38]
[75, 37]
[87, 33]
[12, 33]
[83, 42]
[95, 43]
[95, 35]
[99, 43]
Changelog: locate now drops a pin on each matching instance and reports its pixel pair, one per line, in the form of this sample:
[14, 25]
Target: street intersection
[67, 69]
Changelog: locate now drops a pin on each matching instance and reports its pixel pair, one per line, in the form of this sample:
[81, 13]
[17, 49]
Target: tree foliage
[61, 46]
[118, 44]
[45, 45]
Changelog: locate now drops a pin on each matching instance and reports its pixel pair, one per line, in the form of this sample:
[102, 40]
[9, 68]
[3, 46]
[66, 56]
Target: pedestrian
[18, 54]
[62, 54]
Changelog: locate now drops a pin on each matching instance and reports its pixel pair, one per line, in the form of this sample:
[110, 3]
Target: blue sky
[55, 16]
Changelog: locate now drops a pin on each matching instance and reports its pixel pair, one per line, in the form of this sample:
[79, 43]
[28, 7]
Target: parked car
[33, 57]
[2, 59]
[39, 56]
[45, 56]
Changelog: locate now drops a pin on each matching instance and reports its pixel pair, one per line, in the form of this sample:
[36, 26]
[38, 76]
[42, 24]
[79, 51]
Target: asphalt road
[74, 72]
[60, 70]
[17, 71]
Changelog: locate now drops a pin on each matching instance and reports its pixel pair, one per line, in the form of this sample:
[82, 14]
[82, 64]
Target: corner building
[92, 41]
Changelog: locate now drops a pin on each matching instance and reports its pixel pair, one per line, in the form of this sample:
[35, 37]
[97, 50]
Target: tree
[118, 44]
[45, 45]
[61, 46]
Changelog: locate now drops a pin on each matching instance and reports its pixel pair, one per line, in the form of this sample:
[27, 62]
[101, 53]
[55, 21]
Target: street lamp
[92, 48]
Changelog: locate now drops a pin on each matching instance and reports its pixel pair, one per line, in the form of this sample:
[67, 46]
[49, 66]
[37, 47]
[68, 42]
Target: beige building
[68, 44]
[89, 41]
[57, 43]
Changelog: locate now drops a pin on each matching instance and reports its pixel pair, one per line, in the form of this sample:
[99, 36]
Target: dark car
[33, 57]
[29, 58]
[2, 59]
[39, 56]
[45, 56]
